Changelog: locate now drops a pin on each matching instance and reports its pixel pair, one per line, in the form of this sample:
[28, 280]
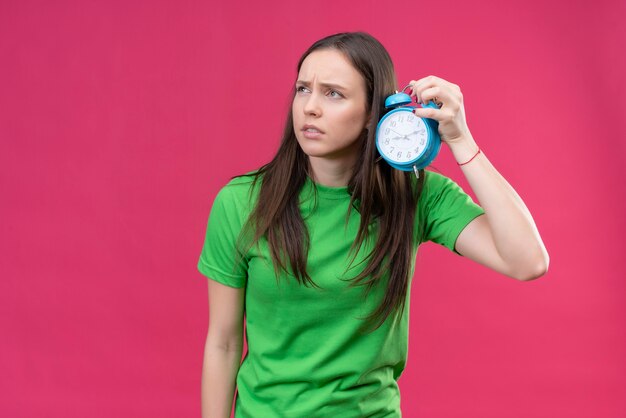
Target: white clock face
[402, 136]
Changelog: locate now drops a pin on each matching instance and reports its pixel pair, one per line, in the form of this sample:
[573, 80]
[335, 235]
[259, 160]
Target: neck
[331, 173]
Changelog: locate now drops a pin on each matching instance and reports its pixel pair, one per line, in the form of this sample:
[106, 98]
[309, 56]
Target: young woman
[317, 247]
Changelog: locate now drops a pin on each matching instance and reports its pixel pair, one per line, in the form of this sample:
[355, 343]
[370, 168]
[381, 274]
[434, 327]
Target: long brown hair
[383, 196]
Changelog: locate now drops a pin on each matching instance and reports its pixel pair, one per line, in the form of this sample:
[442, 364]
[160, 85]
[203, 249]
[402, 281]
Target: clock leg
[417, 173]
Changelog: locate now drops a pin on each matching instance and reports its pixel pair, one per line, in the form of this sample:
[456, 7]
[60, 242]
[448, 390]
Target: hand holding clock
[452, 128]
[448, 96]
[428, 125]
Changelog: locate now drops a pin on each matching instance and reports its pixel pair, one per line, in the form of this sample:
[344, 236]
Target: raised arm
[505, 238]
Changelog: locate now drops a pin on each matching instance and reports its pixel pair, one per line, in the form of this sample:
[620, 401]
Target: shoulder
[434, 184]
[241, 188]
[434, 181]
[234, 202]
[439, 191]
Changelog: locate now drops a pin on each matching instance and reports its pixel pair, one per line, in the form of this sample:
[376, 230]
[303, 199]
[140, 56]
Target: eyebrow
[331, 85]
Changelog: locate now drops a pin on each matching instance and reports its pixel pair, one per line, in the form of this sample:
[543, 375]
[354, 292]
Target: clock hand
[411, 134]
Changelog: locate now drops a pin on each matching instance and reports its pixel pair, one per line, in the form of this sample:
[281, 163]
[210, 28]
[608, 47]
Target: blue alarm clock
[406, 141]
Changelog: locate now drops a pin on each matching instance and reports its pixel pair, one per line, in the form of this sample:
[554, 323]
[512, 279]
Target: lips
[311, 129]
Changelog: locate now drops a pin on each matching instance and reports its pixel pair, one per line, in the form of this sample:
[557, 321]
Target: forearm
[219, 373]
[513, 229]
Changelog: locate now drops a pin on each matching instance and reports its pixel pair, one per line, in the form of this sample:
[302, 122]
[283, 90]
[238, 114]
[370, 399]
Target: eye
[299, 89]
[337, 94]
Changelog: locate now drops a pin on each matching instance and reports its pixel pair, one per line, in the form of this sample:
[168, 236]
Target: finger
[425, 83]
[440, 115]
[429, 112]
[441, 96]
[412, 88]
[432, 81]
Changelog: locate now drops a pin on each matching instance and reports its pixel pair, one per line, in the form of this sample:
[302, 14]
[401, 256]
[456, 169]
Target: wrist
[463, 149]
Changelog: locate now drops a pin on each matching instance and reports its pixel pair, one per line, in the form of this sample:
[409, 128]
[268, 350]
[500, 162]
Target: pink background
[120, 121]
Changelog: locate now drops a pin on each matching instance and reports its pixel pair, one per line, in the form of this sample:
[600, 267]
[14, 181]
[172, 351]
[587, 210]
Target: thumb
[427, 112]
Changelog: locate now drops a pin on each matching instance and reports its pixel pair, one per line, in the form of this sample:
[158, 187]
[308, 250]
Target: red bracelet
[477, 152]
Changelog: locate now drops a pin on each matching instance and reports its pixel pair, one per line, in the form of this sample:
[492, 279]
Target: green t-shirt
[307, 356]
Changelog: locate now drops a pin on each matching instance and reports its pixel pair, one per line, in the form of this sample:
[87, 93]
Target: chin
[310, 147]
[313, 151]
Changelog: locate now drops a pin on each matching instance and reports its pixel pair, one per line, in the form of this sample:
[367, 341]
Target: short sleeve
[220, 259]
[444, 210]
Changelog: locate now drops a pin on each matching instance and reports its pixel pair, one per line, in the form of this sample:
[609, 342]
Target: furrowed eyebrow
[331, 85]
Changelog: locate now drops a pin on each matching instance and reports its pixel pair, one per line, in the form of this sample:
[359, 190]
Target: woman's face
[329, 106]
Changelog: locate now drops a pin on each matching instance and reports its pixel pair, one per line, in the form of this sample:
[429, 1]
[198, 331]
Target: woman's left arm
[505, 238]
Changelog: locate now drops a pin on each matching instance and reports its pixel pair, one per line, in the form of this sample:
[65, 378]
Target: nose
[312, 106]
